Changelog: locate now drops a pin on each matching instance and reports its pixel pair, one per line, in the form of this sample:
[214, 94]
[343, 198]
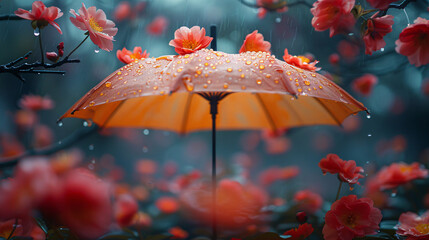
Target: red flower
[377, 28]
[190, 40]
[84, 205]
[364, 84]
[347, 170]
[348, 50]
[351, 217]
[157, 26]
[126, 56]
[41, 16]
[36, 103]
[380, 4]
[398, 174]
[334, 15]
[334, 59]
[101, 30]
[273, 174]
[254, 42]
[43, 136]
[413, 42]
[126, 208]
[167, 205]
[413, 226]
[308, 201]
[122, 11]
[178, 233]
[300, 233]
[300, 61]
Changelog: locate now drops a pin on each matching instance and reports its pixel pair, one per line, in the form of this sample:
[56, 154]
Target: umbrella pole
[213, 112]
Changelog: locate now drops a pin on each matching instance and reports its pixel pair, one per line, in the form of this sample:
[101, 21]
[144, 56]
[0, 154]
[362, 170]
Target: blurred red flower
[64, 161]
[398, 174]
[122, 11]
[300, 233]
[84, 204]
[348, 50]
[178, 233]
[126, 56]
[334, 59]
[364, 84]
[43, 136]
[277, 145]
[377, 28]
[237, 206]
[36, 103]
[380, 4]
[126, 208]
[300, 61]
[413, 226]
[101, 30]
[157, 26]
[41, 16]
[334, 15]
[351, 217]
[413, 42]
[146, 167]
[183, 181]
[190, 40]
[308, 201]
[142, 220]
[33, 182]
[263, 4]
[167, 205]
[272, 174]
[10, 146]
[347, 170]
[254, 42]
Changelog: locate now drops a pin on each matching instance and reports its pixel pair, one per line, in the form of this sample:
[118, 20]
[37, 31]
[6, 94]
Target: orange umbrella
[251, 90]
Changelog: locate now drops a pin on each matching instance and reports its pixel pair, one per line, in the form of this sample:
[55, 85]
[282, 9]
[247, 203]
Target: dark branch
[401, 5]
[276, 7]
[69, 141]
[10, 17]
[30, 67]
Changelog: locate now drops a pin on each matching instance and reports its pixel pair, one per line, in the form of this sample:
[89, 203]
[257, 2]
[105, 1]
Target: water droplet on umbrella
[279, 19]
[36, 32]
[146, 132]
[60, 124]
[97, 50]
[91, 147]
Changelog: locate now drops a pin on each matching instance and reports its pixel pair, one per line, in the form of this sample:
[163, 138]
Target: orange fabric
[162, 94]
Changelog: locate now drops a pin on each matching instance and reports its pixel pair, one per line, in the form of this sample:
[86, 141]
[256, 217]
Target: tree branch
[401, 5]
[275, 7]
[30, 67]
[10, 17]
[67, 142]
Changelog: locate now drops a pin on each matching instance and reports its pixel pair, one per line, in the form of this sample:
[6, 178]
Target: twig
[339, 190]
[69, 141]
[278, 6]
[10, 17]
[401, 5]
[77, 46]
[30, 67]
[13, 229]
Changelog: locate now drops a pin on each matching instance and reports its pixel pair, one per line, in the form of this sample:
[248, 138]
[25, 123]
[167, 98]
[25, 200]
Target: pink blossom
[254, 42]
[377, 28]
[157, 26]
[190, 40]
[364, 84]
[413, 226]
[41, 16]
[334, 15]
[347, 170]
[126, 56]
[101, 30]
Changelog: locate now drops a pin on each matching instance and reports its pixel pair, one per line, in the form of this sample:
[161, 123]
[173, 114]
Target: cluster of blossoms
[338, 17]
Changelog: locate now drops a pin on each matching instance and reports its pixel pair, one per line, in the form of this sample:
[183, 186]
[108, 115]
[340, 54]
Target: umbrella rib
[113, 113]
[295, 112]
[328, 110]
[186, 113]
[267, 113]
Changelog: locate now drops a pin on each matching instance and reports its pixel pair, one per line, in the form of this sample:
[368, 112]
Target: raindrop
[59, 142]
[351, 34]
[60, 124]
[367, 162]
[382, 49]
[87, 123]
[369, 135]
[97, 50]
[145, 149]
[368, 116]
[36, 32]
[278, 20]
[93, 161]
[91, 147]
[146, 132]
[394, 193]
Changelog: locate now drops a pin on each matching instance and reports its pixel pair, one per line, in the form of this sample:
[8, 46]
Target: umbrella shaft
[213, 111]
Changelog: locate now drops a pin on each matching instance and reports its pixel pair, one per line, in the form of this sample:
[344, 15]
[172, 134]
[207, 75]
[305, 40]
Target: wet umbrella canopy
[291, 152]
